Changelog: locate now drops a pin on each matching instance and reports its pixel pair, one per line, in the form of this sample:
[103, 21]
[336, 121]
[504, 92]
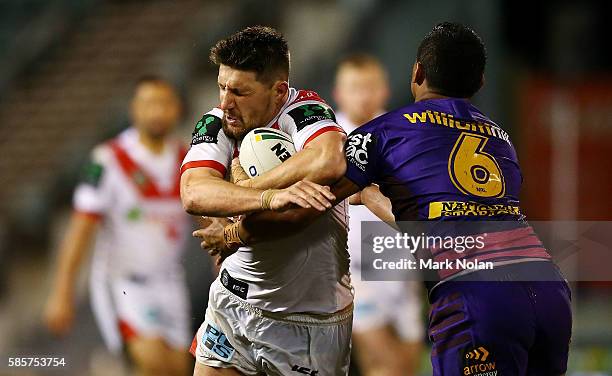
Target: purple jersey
[440, 160]
[436, 159]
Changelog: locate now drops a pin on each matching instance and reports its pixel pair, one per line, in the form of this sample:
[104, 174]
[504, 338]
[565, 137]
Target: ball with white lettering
[262, 149]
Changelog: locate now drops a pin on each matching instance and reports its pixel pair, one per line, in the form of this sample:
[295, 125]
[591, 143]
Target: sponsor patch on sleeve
[361, 158]
[206, 130]
[92, 173]
[358, 149]
[307, 114]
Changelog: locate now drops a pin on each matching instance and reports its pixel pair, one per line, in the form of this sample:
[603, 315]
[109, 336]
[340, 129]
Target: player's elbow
[191, 197]
[189, 201]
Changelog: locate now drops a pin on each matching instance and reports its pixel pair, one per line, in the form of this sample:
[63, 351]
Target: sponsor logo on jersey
[307, 114]
[206, 130]
[449, 121]
[459, 208]
[235, 286]
[478, 362]
[134, 214]
[357, 149]
[217, 343]
[304, 370]
[92, 173]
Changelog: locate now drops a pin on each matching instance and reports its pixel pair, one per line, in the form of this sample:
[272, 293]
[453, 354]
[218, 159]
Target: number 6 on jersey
[473, 171]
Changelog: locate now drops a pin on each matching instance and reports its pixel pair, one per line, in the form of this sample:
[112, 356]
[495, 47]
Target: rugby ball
[262, 149]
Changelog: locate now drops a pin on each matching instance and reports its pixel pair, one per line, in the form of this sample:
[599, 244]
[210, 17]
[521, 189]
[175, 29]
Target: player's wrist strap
[266, 198]
[231, 236]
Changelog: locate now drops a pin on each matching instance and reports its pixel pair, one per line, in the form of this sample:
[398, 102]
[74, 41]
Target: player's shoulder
[387, 121]
[103, 153]
[305, 107]
[302, 98]
[208, 129]
[304, 95]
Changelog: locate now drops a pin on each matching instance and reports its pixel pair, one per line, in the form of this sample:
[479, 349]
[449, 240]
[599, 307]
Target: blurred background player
[387, 322]
[128, 200]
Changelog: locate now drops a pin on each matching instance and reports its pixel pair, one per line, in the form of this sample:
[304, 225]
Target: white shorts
[237, 335]
[394, 303]
[139, 306]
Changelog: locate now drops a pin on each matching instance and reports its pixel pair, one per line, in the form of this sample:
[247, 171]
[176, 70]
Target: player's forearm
[73, 248]
[215, 197]
[322, 164]
[378, 203]
[265, 226]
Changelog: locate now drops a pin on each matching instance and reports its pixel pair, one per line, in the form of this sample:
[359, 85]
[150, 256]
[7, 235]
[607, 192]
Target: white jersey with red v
[136, 195]
[307, 272]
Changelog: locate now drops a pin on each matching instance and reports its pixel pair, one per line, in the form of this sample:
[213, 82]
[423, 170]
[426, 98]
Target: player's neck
[360, 120]
[429, 95]
[153, 144]
[278, 107]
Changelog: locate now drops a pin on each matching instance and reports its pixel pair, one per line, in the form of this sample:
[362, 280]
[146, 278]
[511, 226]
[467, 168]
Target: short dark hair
[453, 57]
[259, 49]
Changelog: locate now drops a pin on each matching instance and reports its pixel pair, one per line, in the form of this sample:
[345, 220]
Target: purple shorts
[503, 325]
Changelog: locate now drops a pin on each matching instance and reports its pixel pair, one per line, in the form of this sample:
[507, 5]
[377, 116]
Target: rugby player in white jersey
[283, 307]
[387, 323]
[129, 202]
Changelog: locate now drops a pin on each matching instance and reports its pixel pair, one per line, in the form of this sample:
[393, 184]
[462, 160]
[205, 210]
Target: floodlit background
[67, 66]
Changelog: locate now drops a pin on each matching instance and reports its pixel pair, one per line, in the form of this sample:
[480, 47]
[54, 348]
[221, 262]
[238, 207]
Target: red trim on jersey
[142, 181]
[91, 215]
[275, 125]
[194, 345]
[323, 130]
[236, 151]
[206, 163]
[127, 331]
[177, 184]
[307, 95]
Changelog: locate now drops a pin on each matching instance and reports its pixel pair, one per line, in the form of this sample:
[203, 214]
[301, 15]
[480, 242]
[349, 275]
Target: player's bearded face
[246, 102]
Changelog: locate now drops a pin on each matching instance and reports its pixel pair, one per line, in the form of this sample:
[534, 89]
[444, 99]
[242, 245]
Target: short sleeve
[362, 158]
[210, 147]
[308, 117]
[93, 194]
